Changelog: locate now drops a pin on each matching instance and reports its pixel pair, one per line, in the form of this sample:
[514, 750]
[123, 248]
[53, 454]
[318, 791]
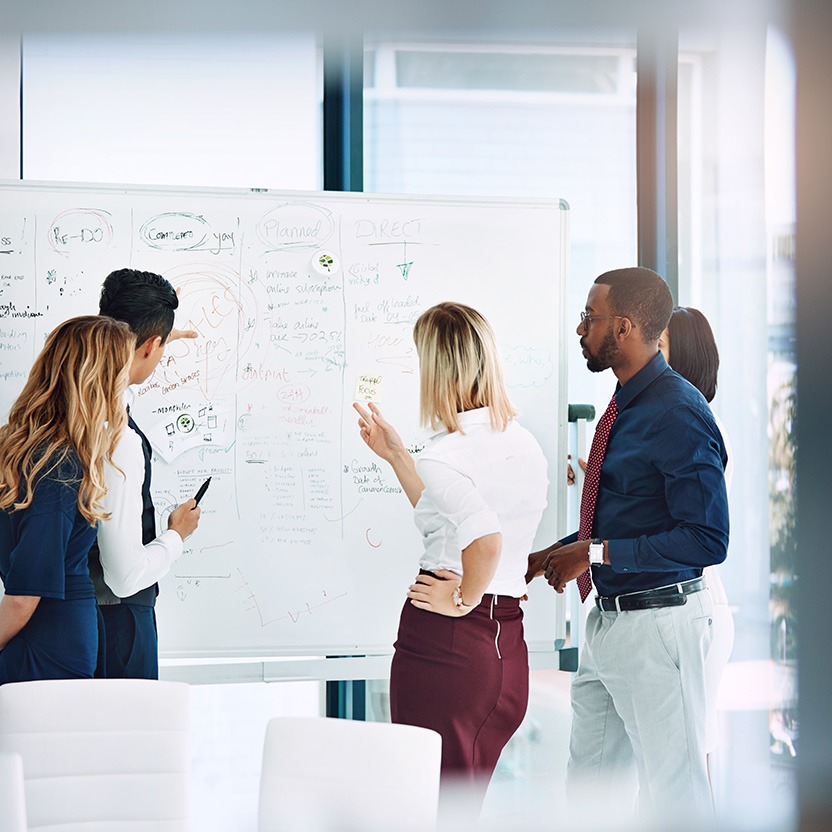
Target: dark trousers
[128, 647]
[466, 678]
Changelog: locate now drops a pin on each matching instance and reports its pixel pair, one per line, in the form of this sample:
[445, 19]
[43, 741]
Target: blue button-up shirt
[662, 503]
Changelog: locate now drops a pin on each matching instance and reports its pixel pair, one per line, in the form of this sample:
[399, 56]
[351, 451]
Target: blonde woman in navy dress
[61, 429]
[478, 490]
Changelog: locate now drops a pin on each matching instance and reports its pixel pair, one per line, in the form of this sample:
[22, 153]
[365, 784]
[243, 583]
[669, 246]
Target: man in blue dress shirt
[661, 515]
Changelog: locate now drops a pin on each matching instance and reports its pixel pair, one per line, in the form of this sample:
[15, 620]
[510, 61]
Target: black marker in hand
[202, 489]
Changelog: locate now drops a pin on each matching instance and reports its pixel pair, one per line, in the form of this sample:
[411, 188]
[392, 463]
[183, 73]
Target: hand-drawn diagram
[225, 313]
[386, 232]
[252, 604]
[527, 366]
[189, 422]
[301, 305]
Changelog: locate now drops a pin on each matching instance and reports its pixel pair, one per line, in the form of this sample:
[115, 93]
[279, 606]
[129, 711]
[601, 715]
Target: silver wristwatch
[596, 551]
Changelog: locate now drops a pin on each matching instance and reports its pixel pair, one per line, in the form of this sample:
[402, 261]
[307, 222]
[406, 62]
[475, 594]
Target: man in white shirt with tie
[129, 558]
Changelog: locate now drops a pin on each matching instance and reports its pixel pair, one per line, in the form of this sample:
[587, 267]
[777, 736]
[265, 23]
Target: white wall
[9, 106]
[168, 110]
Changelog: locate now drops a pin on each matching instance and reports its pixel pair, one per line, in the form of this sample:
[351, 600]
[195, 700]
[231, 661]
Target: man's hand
[537, 561]
[177, 334]
[566, 563]
[185, 518]
[570, 473]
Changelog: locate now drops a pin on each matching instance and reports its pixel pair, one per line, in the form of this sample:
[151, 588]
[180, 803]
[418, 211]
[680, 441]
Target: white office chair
[336, 774]
[100, 754]
[12, 796]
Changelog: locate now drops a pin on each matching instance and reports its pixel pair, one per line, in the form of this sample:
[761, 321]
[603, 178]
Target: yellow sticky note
[368, 388]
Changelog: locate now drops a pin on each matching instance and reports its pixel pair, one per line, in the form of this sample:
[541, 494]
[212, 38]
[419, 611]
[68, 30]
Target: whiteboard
[304, 302]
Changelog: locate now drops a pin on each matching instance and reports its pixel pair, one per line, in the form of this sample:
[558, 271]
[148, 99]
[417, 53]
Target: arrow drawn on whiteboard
[291, 615]
[396, 361]
[405, 269]
[337, 519]
[215, 546]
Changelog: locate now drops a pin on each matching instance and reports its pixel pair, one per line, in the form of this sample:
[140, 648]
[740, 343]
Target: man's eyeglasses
[587, 319]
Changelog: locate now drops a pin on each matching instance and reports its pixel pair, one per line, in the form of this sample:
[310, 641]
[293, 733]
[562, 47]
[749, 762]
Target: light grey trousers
[638, 698]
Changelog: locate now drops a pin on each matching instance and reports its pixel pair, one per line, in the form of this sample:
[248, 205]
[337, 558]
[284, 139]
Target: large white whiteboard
[303, 302]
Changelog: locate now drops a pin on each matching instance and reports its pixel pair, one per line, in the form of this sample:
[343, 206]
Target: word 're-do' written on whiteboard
[303, 303]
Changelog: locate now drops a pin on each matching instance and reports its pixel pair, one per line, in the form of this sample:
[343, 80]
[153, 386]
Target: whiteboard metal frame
[301, 669]
[244, 663]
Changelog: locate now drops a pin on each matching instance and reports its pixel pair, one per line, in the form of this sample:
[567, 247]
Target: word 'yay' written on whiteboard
[182, 231]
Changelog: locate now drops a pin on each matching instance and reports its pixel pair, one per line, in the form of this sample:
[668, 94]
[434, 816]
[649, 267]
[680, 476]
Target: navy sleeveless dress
[43, 552]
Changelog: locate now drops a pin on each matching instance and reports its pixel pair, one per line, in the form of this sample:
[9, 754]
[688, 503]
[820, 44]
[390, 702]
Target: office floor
[753, 771]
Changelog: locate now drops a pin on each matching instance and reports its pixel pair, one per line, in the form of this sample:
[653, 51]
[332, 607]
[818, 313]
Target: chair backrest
[326, 774]
[100, 754]
[12, 796]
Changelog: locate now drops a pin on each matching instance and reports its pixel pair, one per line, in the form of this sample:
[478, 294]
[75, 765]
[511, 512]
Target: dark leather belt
[663, 596]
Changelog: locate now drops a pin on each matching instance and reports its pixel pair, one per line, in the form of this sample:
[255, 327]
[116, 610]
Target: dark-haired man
[129, 558]
[658, 517]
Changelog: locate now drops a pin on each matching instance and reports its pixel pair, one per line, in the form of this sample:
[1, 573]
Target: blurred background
[671, 133]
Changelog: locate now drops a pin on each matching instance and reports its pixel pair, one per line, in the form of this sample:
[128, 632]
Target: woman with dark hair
[689, 347]
[695, 356]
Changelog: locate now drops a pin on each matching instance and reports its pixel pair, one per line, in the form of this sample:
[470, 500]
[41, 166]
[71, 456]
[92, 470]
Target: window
[209, 111]
[555, 121]
[736, 229]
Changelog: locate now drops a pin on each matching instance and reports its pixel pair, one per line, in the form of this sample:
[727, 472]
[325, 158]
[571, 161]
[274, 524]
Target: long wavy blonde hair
[72, 401]
[459, 367]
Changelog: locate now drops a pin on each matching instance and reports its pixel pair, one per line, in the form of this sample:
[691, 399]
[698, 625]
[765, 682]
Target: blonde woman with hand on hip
[478, 490]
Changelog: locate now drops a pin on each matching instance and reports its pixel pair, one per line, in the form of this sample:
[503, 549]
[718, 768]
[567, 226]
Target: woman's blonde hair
[72, 401]
[459, 367]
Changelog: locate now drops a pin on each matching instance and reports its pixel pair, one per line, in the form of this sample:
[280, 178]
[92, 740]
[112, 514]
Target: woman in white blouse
[479, 490]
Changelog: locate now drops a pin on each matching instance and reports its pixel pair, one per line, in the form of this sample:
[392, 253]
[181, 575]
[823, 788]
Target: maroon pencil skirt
[466, 678]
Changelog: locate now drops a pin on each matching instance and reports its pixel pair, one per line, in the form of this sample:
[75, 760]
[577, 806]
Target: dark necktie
[591, 481]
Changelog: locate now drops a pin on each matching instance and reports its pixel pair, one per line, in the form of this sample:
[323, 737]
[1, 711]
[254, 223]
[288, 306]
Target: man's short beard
[606, 353]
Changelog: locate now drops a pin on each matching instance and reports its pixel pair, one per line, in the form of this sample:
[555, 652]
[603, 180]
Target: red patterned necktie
[591, 480]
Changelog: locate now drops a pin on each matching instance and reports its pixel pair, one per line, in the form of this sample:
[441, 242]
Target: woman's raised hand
[378, 433]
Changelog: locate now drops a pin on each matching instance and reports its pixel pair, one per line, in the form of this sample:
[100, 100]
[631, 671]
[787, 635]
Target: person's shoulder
[57, 483]
[128, 447]
[680, 406]
[673, 391]
[455, 450]
[520, 433]
[63, 467]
